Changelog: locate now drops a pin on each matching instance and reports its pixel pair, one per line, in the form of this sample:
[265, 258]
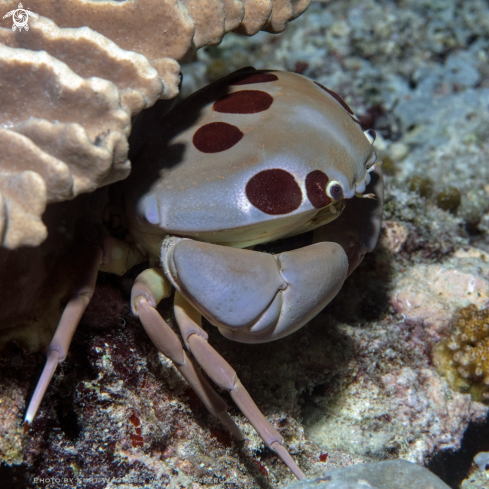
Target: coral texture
[37, 135]
[464, 355]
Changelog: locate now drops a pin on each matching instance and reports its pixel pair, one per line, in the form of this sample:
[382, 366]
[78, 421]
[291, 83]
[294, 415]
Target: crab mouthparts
[365, 196]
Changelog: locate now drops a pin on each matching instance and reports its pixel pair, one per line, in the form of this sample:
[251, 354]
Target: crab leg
[223, 375]
[58, 348]
[148, 289]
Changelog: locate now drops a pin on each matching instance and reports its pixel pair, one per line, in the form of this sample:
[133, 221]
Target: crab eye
[370, 135]
[334, 190]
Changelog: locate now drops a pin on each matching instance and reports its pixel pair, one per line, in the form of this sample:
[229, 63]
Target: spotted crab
[255, 157]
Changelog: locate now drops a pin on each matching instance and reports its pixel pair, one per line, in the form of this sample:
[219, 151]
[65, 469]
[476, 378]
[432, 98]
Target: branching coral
[464, 356]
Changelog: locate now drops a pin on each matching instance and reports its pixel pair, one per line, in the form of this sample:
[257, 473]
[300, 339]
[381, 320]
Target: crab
[253, 158]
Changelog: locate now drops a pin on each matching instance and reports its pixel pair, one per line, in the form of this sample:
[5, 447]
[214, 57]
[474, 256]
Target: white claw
[255, 297]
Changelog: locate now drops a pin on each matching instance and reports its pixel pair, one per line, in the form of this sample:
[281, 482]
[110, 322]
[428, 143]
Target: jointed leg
[225, 377]
[58, 348]
[149, 288]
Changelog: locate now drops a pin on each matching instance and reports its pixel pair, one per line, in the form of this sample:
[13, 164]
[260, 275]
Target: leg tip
[228, 422]
[282, 452]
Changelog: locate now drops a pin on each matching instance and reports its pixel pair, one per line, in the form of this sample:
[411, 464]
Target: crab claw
[254, 297]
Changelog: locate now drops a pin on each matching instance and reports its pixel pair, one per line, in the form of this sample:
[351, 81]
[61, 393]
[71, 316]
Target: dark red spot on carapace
[243, 102]
[274, 192]
[254, 78]
[216, 137]
[316, 182]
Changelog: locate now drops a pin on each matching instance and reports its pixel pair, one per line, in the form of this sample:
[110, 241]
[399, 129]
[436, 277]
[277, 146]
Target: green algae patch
[449, 199]
[421, 185]
[389, 167]
[463, 357]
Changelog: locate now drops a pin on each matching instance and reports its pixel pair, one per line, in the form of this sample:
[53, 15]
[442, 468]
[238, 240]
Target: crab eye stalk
[370, 134]
[334, 190]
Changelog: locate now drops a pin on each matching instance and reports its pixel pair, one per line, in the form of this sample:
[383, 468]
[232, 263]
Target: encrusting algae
[449, 199]
[463, 357]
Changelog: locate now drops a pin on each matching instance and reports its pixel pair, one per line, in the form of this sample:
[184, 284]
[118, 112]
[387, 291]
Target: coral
[68, 91]
[36, 140]
[138, 82]
[168, 28]
[429, 294]
[463, 357]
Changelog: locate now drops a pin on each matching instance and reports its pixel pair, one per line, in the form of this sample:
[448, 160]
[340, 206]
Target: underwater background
[397, 366]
